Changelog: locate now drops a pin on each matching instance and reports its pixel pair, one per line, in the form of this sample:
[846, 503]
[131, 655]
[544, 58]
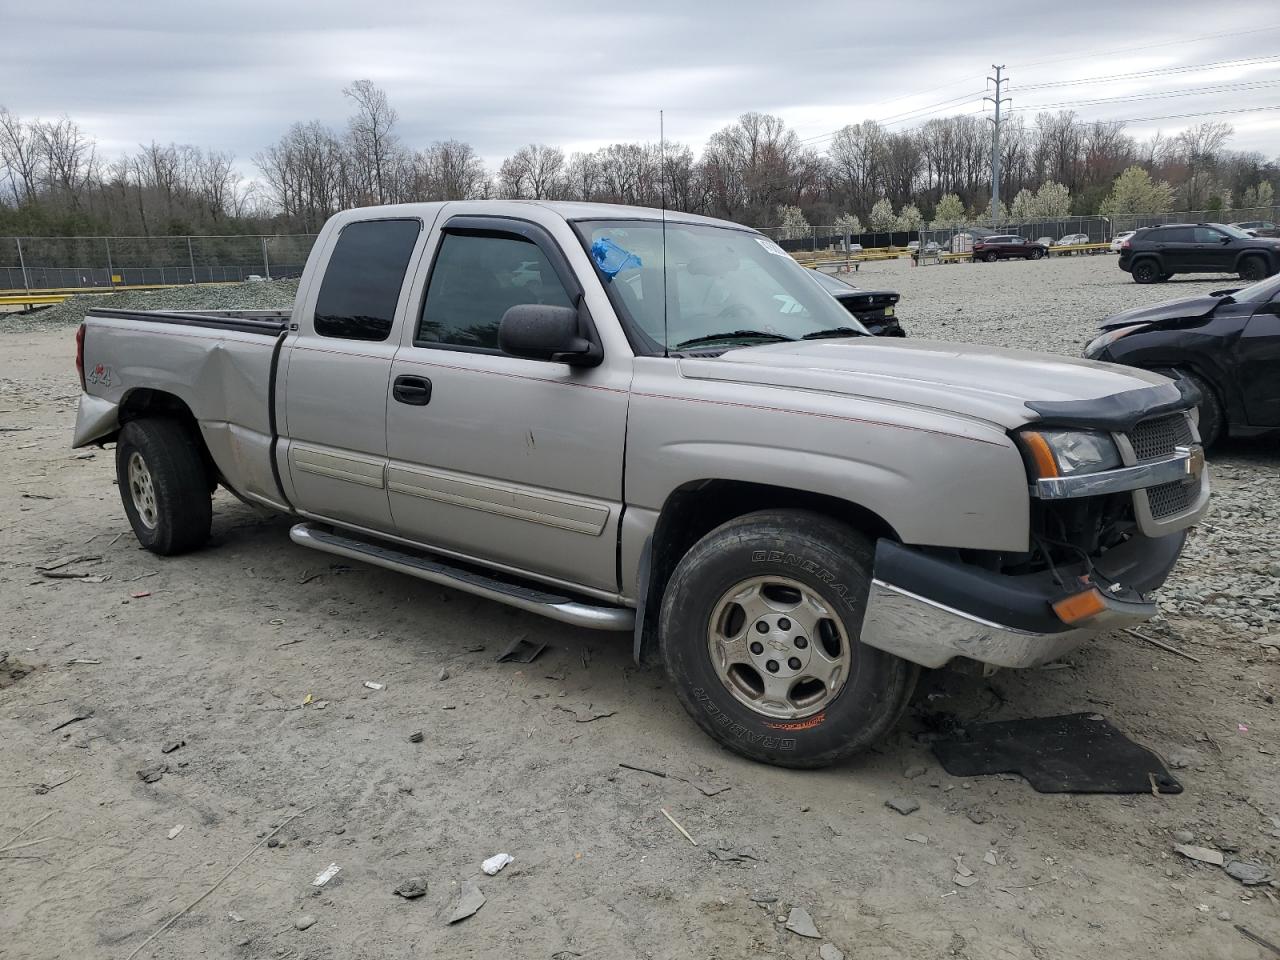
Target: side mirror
[1226, 239]
[537, 331]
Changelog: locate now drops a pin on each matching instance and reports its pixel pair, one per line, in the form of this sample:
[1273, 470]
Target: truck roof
[567, 209]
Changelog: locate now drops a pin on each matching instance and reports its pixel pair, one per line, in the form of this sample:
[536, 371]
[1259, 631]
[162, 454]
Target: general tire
[1146, 271]
[1253, 269]
[164, 485]
[834, 562]
[1213, 416]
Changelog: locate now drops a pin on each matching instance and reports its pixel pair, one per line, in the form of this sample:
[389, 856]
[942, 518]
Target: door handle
[415, 391]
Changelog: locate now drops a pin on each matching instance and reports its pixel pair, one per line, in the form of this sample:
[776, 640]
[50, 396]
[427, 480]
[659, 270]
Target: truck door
[339, 363]
[511, 461]
[1258, 363]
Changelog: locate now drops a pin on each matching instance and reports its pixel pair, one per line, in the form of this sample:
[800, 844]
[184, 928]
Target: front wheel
[1253, 269]
[164, 485]
[991, 257]
[1036, 255]
[1213, 417]
[759, 634]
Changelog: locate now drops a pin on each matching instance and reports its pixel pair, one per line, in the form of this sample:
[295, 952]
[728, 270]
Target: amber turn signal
[1079, 607]
[1041, 455]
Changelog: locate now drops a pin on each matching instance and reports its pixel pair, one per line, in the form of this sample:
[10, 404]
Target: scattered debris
[586, 717]
[289, 643]
[470, 899]
[763, 898]
[496, 863]
[978, 816]
[308, 577]
[217, 883]
[1183, 836]
[989, 858]
[84, 660]
[172, 746]
[708, 789]
[80, 575]
[903, 805]
[632, 766]
[727, 854]
[412, 888]
[76, 719]
[86, 455]
[916, 838]
[1161, 644]
[799, 922]
[675, 824]
[325, 875]
[140, 595]
[1250, 874]
[829, 951]
[305, 922]
[60, 562]
[521, 651]
[1250, 935]
[444, 675]
[961, 869]
[153, 773]
[1202, 854]
[416, 737]
[234, 917]
[962, 881]
[917, 771]
[43, 788]
[175, 831]
[375, 686]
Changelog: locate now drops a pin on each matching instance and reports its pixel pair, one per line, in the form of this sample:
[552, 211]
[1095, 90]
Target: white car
[1073, 240]
[1118, 240]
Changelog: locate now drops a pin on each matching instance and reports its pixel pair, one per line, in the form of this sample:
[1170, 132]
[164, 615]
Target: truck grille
[1157, 438]
[1170, 499]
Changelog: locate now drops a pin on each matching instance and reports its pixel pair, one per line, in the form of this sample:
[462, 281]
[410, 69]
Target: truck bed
[268, 323]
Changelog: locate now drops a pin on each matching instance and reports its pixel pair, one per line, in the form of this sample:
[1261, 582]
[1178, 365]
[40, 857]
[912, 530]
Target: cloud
[503, 73]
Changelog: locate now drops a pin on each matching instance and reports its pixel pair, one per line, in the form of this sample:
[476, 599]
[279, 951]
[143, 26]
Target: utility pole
[999, 80]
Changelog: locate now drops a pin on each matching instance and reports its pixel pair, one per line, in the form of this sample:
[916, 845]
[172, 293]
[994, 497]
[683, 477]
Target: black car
[1226, 343]
[874, 309]
[1153, 254]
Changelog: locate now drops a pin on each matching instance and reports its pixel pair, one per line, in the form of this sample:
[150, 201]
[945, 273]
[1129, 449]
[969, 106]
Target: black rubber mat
[1077, 753]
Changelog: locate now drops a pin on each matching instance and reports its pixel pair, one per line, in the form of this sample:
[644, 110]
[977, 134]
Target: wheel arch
[694, 509]
[143, 402]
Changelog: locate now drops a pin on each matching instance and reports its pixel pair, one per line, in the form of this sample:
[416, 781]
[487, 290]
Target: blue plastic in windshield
[611, 258]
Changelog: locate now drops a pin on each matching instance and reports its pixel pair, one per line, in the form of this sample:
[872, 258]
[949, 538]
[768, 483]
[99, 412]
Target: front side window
[1209, 235]
[720, 287]
[477, 278]
[362, 280]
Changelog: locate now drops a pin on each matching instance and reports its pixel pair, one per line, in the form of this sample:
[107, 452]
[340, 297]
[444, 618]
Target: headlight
[1099, 344]
[1065, 453]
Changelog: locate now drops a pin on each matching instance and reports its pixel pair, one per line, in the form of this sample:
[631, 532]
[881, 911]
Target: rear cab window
[363, 278]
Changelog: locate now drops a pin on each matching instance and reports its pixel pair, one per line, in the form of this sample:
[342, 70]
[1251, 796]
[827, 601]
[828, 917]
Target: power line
[1156, 72]
[1180, 116]
[1164, 95]
[1147, 46]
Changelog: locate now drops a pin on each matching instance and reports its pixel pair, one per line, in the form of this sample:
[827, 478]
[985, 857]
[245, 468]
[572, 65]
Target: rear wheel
[991, 257]
[1146, 271]
[1253, 269]
[1036, 255]
[1213, 416]
[164, 485]
[759, 634]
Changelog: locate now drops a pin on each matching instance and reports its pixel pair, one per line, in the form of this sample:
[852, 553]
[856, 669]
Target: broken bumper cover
[929, 610]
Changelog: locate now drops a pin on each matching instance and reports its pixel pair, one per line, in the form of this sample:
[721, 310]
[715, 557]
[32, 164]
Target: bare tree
[373, 144]
[534, 172]
[448, 170]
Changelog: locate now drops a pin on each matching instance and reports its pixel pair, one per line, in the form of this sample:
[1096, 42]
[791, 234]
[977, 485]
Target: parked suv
[1153, 254]
[1259, 228]
[1006, 247]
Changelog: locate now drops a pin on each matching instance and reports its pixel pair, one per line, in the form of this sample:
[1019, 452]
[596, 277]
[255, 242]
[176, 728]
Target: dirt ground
[253, 655]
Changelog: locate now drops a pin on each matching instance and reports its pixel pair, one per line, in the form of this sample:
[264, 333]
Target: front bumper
[929, 610]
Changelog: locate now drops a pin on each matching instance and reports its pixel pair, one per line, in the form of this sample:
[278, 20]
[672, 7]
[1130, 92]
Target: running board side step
[436, 570]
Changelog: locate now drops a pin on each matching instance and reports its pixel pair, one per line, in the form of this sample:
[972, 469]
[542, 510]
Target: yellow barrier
[34, 300]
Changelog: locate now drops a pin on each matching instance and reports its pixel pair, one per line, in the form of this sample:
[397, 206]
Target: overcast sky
[499, 74]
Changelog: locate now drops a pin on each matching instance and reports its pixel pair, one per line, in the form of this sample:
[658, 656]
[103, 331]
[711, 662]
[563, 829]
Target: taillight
[80, 357]
[1125, 244]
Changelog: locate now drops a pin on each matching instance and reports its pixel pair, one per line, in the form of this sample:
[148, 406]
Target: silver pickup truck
[664, 425]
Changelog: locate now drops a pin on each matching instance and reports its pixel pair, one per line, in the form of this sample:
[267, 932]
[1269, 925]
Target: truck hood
[1188, 308]
[994, 384]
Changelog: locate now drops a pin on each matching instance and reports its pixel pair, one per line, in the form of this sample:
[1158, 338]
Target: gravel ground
[259, 295]
[200, 725]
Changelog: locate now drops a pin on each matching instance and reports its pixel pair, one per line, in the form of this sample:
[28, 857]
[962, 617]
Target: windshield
[1233, 231]
[724, 287]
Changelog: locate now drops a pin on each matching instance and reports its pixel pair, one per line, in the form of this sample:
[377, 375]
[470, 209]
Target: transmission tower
[999, 80]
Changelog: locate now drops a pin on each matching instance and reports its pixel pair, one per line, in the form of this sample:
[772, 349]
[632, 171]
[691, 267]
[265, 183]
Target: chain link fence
[56, 263]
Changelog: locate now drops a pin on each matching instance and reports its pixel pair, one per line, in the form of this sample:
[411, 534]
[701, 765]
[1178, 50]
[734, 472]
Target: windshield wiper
[734, 335]
[835, 332]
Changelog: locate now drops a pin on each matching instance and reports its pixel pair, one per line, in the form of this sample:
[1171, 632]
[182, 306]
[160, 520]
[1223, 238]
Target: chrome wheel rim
[778, 648]
[142, 490]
